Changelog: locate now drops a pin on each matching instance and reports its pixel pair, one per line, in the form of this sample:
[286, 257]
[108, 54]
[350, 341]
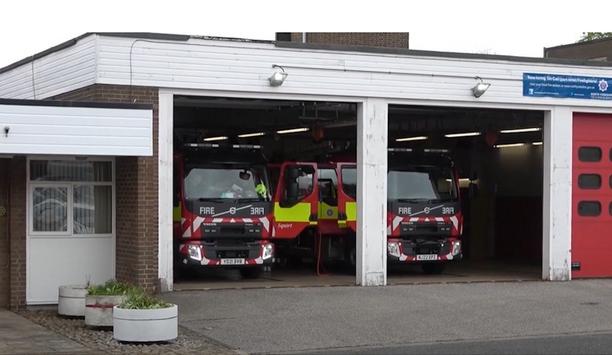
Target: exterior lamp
[279, 76]
[480, 88]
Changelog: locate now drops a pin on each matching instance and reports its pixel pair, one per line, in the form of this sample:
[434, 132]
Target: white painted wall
[68, 69]
[557, 214]
[372, 123]
[57, 261]
[75, 130]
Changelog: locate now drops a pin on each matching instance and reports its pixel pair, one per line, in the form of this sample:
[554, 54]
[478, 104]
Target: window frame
[32, 184]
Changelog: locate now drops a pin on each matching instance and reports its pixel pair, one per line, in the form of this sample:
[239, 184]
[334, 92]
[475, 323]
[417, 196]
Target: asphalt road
[558, 344]
[400, 318]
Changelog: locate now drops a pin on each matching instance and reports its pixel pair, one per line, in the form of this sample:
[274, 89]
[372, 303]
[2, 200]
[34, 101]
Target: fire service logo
[603, 85]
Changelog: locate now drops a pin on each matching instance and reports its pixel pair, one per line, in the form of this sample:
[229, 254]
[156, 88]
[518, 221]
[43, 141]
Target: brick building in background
[596, 50]
[368, 39]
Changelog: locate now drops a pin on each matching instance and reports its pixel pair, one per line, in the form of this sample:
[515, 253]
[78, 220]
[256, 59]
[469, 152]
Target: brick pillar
[17, 230]
[4, 243]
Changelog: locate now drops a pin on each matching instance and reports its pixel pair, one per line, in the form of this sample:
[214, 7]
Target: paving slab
[20, 336]
[281, 320]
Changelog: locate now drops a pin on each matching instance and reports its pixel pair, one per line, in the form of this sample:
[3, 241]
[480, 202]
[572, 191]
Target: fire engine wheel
[351, 257]
[433, 268]
[251, 272]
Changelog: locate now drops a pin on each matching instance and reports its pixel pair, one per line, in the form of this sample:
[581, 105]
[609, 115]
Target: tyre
[433, 268]
[350, 257]
[251, 272]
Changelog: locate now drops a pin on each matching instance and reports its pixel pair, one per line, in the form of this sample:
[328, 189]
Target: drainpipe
[303, 37]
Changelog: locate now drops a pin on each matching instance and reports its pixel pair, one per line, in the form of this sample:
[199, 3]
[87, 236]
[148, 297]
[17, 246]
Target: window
[589, 154]
[589, 208]
[50, 209]
[589, 181]
[71, 197]
[349, 181]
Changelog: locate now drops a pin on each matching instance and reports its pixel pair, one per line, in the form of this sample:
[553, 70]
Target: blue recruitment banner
[577, 87]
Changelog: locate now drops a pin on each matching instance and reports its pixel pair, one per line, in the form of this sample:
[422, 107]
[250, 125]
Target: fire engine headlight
[267, 251]
[393, 248]
[456, 247]
[195, 252]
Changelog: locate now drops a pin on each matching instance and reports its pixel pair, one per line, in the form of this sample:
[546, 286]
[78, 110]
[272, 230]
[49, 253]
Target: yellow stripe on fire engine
[299, 212]
[176, 213]
[351, 211]
[327, 211]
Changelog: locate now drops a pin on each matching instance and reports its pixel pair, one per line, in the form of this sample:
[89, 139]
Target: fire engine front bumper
[213, 254]
[406, 251]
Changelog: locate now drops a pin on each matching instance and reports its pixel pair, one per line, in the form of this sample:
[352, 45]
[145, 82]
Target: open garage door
[465, 192]
[257, 193]
[592, 196]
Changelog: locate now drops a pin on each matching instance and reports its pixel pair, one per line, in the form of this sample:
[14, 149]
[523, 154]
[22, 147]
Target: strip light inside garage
[292, 130]
[509, 145]
[212, 139]
[408, 139]
[466, 134]
[248, 135]
[521, 130]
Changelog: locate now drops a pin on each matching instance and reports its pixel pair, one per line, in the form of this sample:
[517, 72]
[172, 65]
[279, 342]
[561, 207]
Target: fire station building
[88, 131]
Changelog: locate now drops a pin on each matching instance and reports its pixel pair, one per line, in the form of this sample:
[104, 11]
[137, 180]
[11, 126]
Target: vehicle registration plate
[427, 257]
[233, 261]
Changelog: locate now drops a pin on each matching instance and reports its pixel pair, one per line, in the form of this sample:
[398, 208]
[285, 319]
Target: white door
[70, 225]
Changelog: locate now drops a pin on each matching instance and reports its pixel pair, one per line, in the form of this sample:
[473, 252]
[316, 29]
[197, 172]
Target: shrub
[138, 299]
[110, 288]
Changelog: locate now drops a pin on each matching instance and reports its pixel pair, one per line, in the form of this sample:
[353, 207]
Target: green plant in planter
[110, 288]
[138, 299]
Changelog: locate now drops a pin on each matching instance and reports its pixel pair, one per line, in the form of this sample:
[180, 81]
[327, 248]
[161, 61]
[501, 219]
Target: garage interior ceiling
[201, 117]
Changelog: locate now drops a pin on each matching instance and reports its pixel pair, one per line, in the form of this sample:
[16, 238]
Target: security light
[521, 130]
[408, 139]
[466, 134]
[480, 88]
[278, 77]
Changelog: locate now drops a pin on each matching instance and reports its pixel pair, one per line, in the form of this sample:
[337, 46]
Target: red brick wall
[17, 230]
[375, 39]
[4, 242]
[137, 190]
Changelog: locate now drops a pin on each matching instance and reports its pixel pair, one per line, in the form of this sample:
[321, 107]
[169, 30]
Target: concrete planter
[145, 325]
[71, 301]
[99, 310]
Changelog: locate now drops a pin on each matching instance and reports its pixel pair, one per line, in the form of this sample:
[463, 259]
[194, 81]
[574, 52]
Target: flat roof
[583, 43]
[328, 47]
[20, 102]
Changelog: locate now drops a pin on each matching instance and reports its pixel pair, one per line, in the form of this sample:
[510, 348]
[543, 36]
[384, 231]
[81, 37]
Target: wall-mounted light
[466, 134]
[480, 88]
[212, 139]
[248, 135]
[292, 130]
[408, 139]
[278, 77]
[521, 130]
[537, 143]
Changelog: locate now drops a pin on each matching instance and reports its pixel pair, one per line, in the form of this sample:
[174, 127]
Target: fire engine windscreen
[226, 183]
[421, 183]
